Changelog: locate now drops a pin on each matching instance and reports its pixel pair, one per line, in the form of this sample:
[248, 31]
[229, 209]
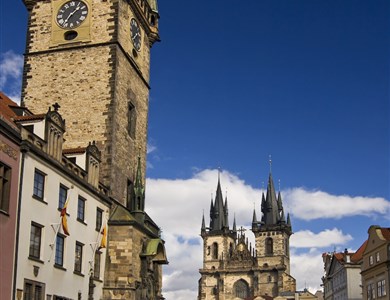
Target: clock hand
[72, 13]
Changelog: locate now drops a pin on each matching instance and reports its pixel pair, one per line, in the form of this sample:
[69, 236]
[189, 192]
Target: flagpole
[58, 225]
[94, 245]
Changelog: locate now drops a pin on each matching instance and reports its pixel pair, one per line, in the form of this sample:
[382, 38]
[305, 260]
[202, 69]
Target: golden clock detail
[70, 21]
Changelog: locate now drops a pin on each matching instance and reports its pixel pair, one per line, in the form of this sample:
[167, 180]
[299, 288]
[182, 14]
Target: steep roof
[5, 109]
[386, 233]
[359, 253]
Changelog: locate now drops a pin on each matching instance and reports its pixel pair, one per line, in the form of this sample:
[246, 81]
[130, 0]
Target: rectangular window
[35, 240]
[131, 120]
[5, 183]
[63, 194]
[99, 219]
[33, 290]
[96, 265]
[377, 256]
[39, 184]
[78, 257]
[59, 258]
[381, 288]
[371, 260]
[81, 209]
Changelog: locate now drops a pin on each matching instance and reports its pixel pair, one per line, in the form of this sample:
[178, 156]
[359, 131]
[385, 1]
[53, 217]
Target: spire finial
[219, 173]
[270, 163]
[279, 185]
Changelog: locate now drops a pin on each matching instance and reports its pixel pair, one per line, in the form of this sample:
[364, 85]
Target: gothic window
[241, 289]
[269, 246]
[215, 251]
[230, 249]
[131, 120]
[129, 195]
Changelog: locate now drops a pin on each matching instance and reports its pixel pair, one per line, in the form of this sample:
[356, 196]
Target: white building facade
[52, 262]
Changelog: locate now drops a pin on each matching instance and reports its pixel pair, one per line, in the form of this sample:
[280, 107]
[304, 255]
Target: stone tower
[232, 269]
[93, 58]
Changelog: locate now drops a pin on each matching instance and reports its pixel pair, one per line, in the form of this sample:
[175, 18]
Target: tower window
[131, 120]
[241, 289]
[130, 189]
[215, 251]
[269, 246]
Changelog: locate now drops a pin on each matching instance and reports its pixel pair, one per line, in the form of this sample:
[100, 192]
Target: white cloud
[177, 205]
[310, 205]
[326, 238]
[11, 67]
[307, 268]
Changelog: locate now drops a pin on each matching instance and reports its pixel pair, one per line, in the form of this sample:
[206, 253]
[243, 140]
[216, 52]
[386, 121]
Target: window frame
[81, 213]
[62, 200]
[5, 186]
[131, 119]
[35, 248]
[33, 285]
[97, 264]
[59, 253]
[99, 220]
[36, 190]
[78, 257]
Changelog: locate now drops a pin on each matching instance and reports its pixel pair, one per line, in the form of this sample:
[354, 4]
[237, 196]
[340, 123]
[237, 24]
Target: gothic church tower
[93, 58]
[232, 269]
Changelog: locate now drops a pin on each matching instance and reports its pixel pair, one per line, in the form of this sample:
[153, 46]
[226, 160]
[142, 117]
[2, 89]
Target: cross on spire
[56, 106]
[270, 163]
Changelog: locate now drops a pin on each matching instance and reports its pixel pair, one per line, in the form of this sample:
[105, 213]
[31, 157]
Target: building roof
[6, 111]
[78, 150]
[29, 118]
[386, 233]
[359, 253]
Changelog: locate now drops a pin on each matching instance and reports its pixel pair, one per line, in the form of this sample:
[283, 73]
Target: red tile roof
[29, 118]
[5, 108]
[359, 253]
[386, 233]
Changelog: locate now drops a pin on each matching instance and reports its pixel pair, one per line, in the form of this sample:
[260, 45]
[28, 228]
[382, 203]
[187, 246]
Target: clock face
[72, 14]
[135, 33]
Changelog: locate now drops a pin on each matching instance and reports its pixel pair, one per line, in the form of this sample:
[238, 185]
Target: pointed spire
[218, 214]
[226, 211]
[234, 224]
[203, 228]
[288, 220]
[139, 189]
[254, 218]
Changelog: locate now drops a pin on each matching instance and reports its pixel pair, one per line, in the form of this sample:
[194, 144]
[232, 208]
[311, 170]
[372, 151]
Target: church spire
[219, 213]
[139, 189]
[271, 205]
[203, 228]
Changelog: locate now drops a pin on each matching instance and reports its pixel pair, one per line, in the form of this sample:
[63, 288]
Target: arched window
[215, 251]
[241, 289]
[269, 246]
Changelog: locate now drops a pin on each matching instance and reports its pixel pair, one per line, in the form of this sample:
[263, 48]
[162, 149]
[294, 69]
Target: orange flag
[64, 221]
[103, 242]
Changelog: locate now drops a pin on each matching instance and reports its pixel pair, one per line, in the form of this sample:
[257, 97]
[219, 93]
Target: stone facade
[232, 269]
[95, 82]
[100, 79]
[375, 268]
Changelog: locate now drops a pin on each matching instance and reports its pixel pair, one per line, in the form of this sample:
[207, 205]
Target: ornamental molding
[8, 150]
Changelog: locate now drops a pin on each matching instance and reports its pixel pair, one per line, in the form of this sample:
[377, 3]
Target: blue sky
[306, 81]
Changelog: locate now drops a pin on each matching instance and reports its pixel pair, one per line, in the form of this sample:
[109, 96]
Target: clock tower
[93, 58]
